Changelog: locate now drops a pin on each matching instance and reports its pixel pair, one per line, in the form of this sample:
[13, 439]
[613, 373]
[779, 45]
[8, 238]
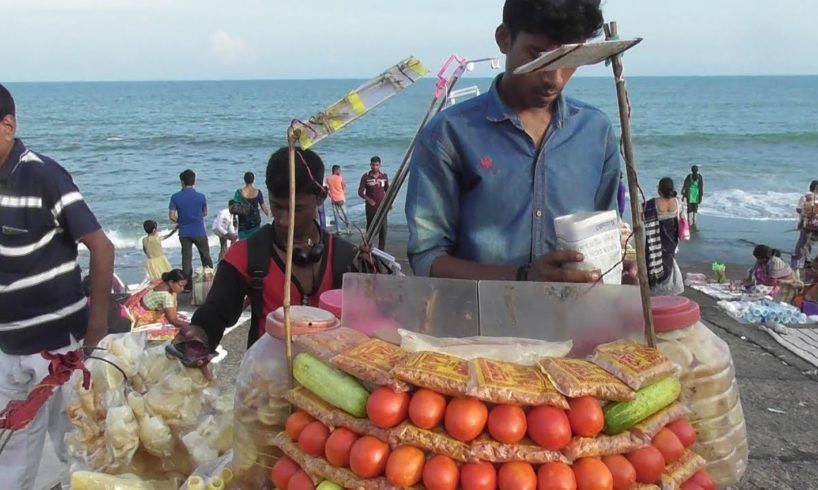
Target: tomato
[703, 479]
[368, 457]
[465, 419]
[669, 445]
[338, 446]
[440, 473]
[690, 485]
[516, 476]
[283, 470]
[427, 408]
[549, 427]
[386, 407]
[585, 416]
[300, 481]
[404, 467]
[478, 476]
[624, 475]
[592, 474]
[313, 438]
[648, 463]
[684, 431]
[296, 423]
[556, 476]
[507, 423]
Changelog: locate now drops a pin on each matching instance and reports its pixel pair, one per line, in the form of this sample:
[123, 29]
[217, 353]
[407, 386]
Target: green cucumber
[621, 416]
[328, 485]
[331, 385]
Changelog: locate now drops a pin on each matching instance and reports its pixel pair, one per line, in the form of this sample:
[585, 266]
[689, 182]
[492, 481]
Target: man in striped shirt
[42, 303]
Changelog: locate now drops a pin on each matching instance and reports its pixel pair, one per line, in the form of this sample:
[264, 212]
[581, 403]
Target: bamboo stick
[630, 167]
[292, 137]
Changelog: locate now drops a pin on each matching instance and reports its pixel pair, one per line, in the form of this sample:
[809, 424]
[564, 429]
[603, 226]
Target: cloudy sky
[248, 39]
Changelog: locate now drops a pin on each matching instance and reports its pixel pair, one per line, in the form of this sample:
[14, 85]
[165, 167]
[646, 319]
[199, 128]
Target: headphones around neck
[302, 257]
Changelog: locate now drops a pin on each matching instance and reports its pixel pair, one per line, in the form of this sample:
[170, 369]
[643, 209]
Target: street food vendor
[489, 175]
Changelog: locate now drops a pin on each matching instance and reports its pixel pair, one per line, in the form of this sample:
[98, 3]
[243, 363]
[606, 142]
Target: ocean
[754, 139]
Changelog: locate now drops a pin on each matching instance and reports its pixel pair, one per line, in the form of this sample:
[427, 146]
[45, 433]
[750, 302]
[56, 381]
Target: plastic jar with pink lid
[260, 408]
[709, 387]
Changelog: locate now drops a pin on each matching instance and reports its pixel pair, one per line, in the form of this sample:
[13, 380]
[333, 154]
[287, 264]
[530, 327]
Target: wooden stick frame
[292, 138]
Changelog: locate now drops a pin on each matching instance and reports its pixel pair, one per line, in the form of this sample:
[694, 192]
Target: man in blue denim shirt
[489, 175]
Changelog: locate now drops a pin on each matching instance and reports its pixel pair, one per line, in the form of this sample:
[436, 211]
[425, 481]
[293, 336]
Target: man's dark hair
[694, 168]
[188, 177]
[309, 171]
[6, 103]
[374, 159]
[562, 21]
[249, 178]
[335, 167]
[813, 185]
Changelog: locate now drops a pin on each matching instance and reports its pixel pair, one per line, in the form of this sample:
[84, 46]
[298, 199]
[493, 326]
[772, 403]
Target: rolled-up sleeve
[606, 195]
[432, 203]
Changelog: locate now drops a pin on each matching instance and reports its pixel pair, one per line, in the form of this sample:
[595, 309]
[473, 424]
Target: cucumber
[621, 416]
[331, 385]
[328, 485]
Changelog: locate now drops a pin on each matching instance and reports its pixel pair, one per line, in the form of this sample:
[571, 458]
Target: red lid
[331, 301]
[303, 320]
[673, 312]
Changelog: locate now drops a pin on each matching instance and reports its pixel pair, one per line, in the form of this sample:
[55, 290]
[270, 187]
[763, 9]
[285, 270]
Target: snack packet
[602, 445]
[435, 441]
[438, 372]
[636, 364]
[484, 448]
[680, 471]
[327, 344]
[330, 416]
[514, 384]
[648, 428]
[577, 377]
[371, 362]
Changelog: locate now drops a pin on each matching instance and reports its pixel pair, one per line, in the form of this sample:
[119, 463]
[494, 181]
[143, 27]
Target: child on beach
[156, 263]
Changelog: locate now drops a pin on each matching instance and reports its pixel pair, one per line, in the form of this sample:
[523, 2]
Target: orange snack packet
[509, 383]
[435, 441]
[329, 343]
[438, 372]
[602, 445]
[648, 428]
[636, 364]
[577, 377]
[485, 448]
[680, 471]
[330, 416]
[371, 362]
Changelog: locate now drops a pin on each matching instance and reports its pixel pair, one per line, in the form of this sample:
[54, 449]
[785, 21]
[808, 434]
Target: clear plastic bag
[215, 475]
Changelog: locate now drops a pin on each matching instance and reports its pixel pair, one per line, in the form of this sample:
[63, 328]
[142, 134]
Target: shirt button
[539, 213]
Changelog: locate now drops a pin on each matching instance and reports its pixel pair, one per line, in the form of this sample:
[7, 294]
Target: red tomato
[507, 423]
[478, 476]
[440, 473]
[703, 479]
[516, 476]
[465, 419]
[387, 408]
[296, 423]
[338, 446]
[427, 408]
[684, 431]
[313, 438]
[669, 445]
[368, 457]
[404, 467]
[585, 416]
[300, 481]
[690, 485]
[549, 427]
[624, 476]
[592, 474]
[283, 470]
[556, 476]
[648, 463]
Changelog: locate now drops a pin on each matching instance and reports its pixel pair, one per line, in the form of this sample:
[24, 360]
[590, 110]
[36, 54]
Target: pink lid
[303, 320]
[331, 301]
[674, 312]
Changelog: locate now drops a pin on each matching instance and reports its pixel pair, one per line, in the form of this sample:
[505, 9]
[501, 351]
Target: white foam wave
[756, 206]
[113, 138]
[123, 241]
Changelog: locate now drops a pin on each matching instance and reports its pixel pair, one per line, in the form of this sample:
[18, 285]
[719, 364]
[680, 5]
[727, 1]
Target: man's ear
[8, 124]
[502, 35]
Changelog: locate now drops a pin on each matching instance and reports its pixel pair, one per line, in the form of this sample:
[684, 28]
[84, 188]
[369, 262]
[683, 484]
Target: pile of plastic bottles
[764, 311]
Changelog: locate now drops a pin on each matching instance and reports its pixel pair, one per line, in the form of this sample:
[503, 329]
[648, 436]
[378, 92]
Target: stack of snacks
[440, 422]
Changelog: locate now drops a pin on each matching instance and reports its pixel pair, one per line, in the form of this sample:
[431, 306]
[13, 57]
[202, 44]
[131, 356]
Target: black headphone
[302, 257]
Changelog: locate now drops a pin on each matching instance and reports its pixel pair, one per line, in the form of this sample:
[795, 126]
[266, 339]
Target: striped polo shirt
[42, 217]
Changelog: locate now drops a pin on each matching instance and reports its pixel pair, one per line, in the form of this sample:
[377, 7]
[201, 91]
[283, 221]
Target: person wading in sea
[372, 189]
[693, 193]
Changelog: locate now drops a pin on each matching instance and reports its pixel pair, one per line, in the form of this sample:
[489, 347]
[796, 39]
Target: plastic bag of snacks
[635, 364]
[435, 371]
[371, 362]
[216, 475]
[649, 427]
[435, 441]
[577, 377]
[485, 448]
[508, 383]
[602, 445]
[326, 345]
[331, 416]
[680, 471]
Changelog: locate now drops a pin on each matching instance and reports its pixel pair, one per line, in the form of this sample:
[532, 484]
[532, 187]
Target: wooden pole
[292, 137]
[633, 188]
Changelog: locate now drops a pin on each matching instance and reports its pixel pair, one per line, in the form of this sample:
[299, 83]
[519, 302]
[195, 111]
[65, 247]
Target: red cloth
[18, 413]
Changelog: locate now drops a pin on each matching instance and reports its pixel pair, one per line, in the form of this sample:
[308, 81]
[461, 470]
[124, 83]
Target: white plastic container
[597, 236]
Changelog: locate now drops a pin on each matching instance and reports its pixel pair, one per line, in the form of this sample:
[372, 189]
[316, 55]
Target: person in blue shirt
[489, 175]
[188, 209]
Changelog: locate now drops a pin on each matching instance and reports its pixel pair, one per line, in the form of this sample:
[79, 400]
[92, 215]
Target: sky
[58, 40]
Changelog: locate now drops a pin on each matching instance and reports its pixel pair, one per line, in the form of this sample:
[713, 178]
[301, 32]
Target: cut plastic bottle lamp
[576, 55]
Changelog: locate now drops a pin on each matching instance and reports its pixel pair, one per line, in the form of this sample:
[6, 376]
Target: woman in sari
[769, 269]
[157, 302]
[662, 241]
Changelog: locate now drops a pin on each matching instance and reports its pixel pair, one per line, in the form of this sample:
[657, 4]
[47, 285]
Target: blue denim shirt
[476, 193]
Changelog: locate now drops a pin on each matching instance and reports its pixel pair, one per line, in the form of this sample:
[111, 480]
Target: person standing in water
[693, 192]
[156, 262]
[374, 185]
[251, 202]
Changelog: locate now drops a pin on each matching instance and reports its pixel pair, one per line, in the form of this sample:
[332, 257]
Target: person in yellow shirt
[156, 263]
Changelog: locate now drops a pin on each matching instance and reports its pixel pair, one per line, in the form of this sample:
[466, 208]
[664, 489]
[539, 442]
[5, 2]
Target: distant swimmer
[692, 193]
